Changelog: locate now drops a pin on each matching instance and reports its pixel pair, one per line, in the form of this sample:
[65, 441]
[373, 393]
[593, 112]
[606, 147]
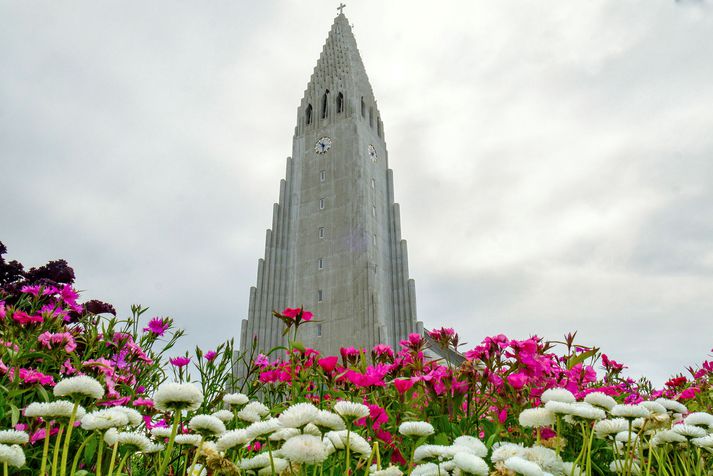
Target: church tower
[335, 244]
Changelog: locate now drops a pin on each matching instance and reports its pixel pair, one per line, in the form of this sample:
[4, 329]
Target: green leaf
[299, 346]
[441, 439]
[44, 393]
[90, 450]
[578, 359]
[15, 414]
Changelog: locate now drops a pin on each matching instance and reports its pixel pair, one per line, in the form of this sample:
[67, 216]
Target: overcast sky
[553, 159]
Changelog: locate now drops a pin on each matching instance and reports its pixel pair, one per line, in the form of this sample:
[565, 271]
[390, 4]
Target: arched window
[363, 107]
[308, 114]
[324, 104]
[371, 117]
[340, 103]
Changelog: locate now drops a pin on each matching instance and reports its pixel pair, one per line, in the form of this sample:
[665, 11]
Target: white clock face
[372, 153]
[323, 145]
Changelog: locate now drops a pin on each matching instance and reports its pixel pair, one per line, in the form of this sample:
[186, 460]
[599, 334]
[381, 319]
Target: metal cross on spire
[341, 7]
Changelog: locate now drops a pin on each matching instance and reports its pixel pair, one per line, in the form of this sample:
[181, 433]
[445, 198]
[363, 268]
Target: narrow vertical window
[324, 104]
[320, 295]
[322, 175]
[321, 232]
[319, 330]
[373, 211]
[340, 103]
[378, 126]
[363, 107]
[321, 204]
[371, 117]
[373, 240]
[373, 183]
[308, 114]
[320, 263]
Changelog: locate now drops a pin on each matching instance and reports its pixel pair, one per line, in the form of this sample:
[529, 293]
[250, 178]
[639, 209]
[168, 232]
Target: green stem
[123, 462]
[169, 448]
[113, 458]
[75, 461]
[348, 462]
[269, 452]
[55, 451]
[195, 456]
[45, 449]
[4, 468]
[67, 438]
[100, 453]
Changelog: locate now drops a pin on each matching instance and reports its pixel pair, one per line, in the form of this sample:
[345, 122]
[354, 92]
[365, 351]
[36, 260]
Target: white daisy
[223, 415]
[478, 447]
[135, 418]
[666, 437]
[704, 441]
[111, 436]
[12, 455]
[425, 452]
[351, 410]
[536, 418]
[56, 409]
[571, 469]
[134, 439]
[13, 437]
[280, 464]
[177, 396]
[104, 419]
[558, 395]
[586, 411]
[605, 428]
[197, 470]
[621, 465]
[207, 425]
[545, 458]
[506, 450]
[232, 438]
[306, 449]
[425, 469]
[154, 448]
[628, 411]
[327, 419]
[81, 385]
[260, 460]
[522, 466]
[471, 464]
[601, 400]
[298, 415]
[560, 408]
[235, 399]
[260, 428]
[258, 408]
[672, 405]
[188, 439]
[248, 416]
[689, 431]
[284, 434]
[388, 471]
[357, 443]
[161, 432]
[416, 428]
[699, 419]
[654, 407]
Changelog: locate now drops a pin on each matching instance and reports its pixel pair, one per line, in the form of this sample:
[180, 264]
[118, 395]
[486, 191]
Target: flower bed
[83, 392]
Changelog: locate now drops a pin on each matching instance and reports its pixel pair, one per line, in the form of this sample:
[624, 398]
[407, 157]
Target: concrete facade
[335, 244]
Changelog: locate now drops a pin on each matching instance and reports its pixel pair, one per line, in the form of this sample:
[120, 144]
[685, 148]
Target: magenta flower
[211, 355]
[23, 318]
[403, 384]
[143, 402]
[157, 326]
[3, 313]
[517, 380]
[261, 360]
[180, 361]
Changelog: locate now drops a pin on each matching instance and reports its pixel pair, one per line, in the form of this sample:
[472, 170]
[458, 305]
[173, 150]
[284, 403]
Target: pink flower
[689, 393]
[157, 326]
[23, 318]
[180, 361]
[297, 313]
[261, 361]
[3, 312]
[517, 380]
[211, 355]
[328, 363]
[143, 402]
[403, 384]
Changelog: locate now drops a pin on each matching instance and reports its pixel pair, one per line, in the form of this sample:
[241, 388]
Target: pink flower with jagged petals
[143, 402]
[517, 380]
[403, 384]
[689, 393]
[23, 318]
[210, 355]
[261, 361]
[157, 326]
[180, 361]
[328, 363]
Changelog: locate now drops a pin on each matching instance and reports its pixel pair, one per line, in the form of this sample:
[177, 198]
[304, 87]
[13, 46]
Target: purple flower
[211, 355]
[157, 326]
[180, 361]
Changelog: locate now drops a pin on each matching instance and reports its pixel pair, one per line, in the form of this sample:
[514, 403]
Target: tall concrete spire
[335, 245]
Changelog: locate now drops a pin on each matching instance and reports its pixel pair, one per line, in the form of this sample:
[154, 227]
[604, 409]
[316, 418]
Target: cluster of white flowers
[464, 456]
[54, 410]
[12, 455]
